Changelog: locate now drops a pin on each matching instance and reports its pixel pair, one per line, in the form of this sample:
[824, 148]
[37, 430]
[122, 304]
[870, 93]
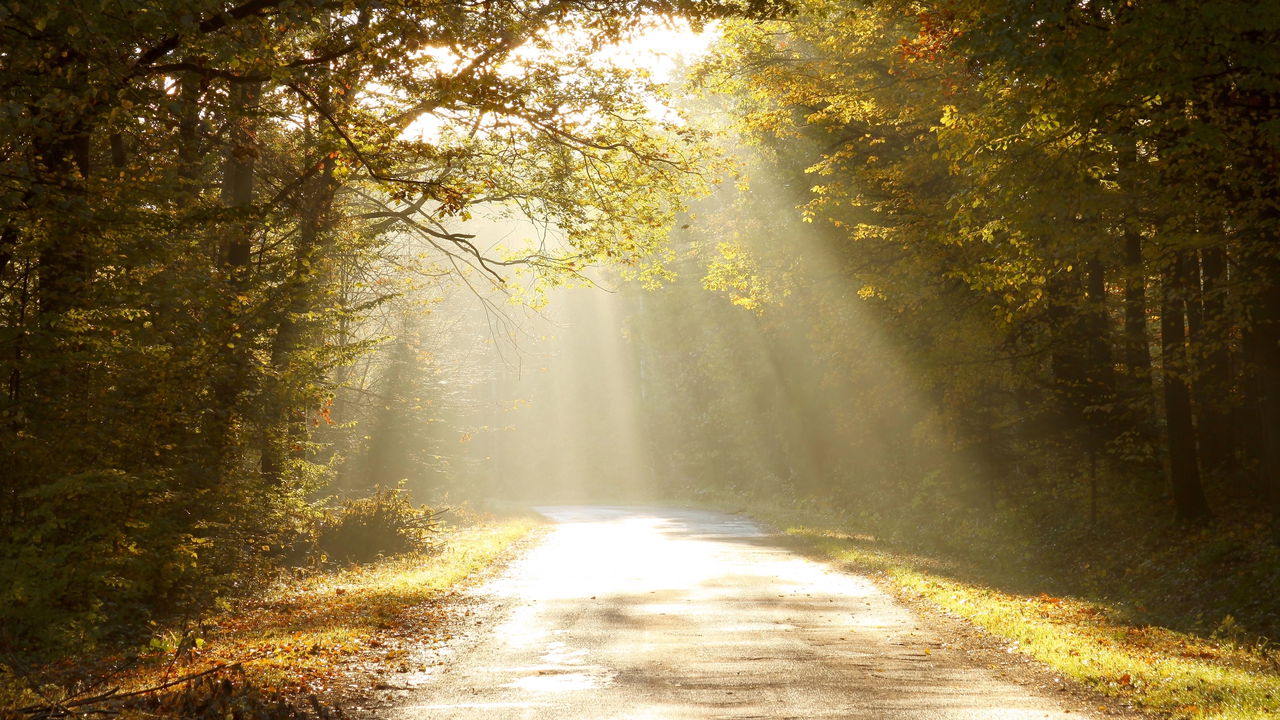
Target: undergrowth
[294, 639]
[384, 523]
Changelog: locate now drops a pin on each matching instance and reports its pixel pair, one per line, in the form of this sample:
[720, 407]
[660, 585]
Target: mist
[315, 317]
[692, 390]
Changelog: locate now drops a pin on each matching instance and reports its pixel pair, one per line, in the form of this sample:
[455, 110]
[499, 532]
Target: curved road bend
[656, 614]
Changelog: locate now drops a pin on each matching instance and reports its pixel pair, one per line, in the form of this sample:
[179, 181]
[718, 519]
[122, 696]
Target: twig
[65, 708]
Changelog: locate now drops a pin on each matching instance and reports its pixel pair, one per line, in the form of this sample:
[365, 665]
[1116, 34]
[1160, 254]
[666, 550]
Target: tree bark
[1262, 342]
[1217, 446]
[1189, 500]
[237, 180]
[238, 167]
[285, 428]
[1100, 374]
[189, 91]
[1137, 342]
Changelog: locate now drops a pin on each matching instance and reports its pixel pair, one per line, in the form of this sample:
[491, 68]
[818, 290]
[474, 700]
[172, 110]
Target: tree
[184, 188]
[1039, 166]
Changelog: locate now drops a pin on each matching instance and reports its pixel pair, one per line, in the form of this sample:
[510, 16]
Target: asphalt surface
[648, 614]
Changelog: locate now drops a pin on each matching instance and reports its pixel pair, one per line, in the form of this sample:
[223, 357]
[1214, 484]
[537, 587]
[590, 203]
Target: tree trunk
[237, 180]
[1137, 342]
[1099, 374]
[189, 154]
[1262, 342]
[1217, 446]
[284, 429]
[238, 166]
[1184, 470]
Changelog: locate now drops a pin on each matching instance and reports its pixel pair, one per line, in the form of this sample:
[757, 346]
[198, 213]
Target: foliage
[14, 693]
[1000, 288]
[385, 523]
[202, 203]
[1001, 259]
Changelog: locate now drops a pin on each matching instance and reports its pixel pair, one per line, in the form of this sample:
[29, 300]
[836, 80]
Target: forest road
[647, 614]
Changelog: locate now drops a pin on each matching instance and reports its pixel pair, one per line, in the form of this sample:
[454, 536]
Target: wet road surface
[657, 614]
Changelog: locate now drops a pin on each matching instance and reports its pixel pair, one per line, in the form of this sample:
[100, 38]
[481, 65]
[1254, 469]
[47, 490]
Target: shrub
[385, 523]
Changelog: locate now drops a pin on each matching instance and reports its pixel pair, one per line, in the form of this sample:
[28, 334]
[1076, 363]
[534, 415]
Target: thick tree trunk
[285, 429]
[1217, 446]
[238, 167]
[1262, 342]
[237, 180]
[1099, 373]
[1137, 346]
[1184, 470]
[1137, 391]
[188, 119]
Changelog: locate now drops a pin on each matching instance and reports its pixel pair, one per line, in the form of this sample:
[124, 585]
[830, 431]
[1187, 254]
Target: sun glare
[658, 51]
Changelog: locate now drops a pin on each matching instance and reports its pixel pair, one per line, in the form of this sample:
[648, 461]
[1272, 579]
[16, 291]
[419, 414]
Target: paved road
[647, 614]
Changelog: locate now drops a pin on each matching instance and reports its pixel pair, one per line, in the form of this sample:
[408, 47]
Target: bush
[95, 559]
[385, 523]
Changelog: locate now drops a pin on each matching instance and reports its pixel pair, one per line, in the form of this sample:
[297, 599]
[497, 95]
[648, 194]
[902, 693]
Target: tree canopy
[982, 259]
[201, 202]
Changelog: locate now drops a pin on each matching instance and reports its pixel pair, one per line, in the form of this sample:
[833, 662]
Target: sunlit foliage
[196, 203]
[1060, 216]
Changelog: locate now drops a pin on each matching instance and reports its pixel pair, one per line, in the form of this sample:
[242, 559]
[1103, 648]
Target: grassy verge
[304, 633]
[1152, 668]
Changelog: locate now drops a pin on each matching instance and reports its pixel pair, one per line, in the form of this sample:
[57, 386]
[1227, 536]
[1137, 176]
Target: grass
[1157, 669]
[304, 632]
